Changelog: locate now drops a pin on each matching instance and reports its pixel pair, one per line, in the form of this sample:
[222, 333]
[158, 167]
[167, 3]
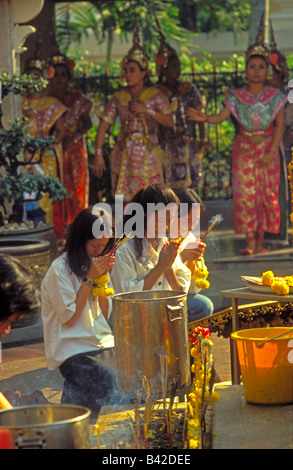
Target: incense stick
[120, 242]
[215, 221]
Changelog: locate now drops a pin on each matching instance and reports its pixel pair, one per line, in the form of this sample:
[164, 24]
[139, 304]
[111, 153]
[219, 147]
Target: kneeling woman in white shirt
[77, 336]
[150, 262]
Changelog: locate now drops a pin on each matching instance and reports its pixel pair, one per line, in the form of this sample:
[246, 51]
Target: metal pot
[47, 426]
[148, 326]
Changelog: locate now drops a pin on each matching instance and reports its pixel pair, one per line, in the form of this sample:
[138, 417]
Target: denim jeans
[198, 306]
[90, 379]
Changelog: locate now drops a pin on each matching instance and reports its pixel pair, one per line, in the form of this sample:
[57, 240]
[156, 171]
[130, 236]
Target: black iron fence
[214, 86]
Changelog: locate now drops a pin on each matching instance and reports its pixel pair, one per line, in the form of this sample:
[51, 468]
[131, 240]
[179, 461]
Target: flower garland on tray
[280, 285]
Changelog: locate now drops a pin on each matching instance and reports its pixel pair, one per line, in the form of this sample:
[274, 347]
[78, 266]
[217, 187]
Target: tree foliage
[214, 15]
[102, 19]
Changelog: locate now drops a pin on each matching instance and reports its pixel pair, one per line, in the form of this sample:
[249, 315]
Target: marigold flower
[101, 289]
[279, 286]
[267, 278]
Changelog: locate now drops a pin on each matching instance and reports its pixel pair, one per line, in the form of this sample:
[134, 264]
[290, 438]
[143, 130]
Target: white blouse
[128, 272]
[90, 331]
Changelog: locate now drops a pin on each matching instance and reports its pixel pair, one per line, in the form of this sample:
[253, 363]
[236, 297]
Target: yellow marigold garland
[280, 285]
[101, 288]
[200, 275]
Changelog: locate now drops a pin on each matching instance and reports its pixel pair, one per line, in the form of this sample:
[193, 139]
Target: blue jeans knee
[199, 306]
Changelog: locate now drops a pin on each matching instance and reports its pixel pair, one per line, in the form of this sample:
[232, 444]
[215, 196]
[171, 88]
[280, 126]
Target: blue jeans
[198, 306]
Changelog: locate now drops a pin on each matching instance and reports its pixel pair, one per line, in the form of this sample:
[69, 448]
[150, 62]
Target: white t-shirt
[128, 272]
[90, 331]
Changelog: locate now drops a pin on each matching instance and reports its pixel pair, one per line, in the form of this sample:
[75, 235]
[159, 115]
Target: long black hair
[156, 193]
[80, 232]
[18, 291]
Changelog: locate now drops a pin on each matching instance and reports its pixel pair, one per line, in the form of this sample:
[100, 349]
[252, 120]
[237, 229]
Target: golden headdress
[258, 48]
[35, 62]
[61, 59]
[137, 52]
[165, 51]
[276, 58]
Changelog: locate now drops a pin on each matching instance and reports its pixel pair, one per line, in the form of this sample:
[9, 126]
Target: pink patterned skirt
[255, 187]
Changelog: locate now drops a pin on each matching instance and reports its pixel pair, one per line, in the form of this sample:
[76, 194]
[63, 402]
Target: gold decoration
[165, 51]
[35, 62]
[258, 48]
[276, 58]
[137, 52]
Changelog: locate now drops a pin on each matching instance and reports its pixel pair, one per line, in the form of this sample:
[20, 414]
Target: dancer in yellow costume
[45, 119]
[137, 158]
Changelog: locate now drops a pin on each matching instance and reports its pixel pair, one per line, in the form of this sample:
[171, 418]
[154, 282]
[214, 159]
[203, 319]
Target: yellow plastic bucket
[267, 370]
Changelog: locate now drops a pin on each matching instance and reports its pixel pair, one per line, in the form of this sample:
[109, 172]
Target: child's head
[154, 200]
[19, 294]
[188, 197]
[82, 244]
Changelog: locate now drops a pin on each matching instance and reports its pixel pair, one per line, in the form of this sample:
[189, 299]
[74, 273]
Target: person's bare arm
[99, 162]
[277, 137]
[196, 115]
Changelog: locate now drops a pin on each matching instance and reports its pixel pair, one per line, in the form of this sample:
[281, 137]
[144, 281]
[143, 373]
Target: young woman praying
[78, 339]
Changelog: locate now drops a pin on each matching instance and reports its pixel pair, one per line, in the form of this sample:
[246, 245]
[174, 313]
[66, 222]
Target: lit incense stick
[217, 219]
[120, 242]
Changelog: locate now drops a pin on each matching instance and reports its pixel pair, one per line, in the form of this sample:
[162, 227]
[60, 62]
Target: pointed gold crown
[165, 51]
[60, 59]
[137, 53]
[258, 48]
[35, 62]
[276, 58]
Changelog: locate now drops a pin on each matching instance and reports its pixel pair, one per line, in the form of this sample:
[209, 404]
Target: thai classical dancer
[77, 122]
[259, 111]
[137, 158]
[45, 115]
[183, 154]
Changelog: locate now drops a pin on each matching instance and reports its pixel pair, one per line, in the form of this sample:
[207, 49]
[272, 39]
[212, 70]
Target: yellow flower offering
[101, 289]
[200, 275]
[289, 280]
[279, 286]
[267, 278]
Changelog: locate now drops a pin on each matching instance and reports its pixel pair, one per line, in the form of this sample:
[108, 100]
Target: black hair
[80, 232]
[189, 196]
[257, 56]
[156, 193]
[18, 291]
[162, 75]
